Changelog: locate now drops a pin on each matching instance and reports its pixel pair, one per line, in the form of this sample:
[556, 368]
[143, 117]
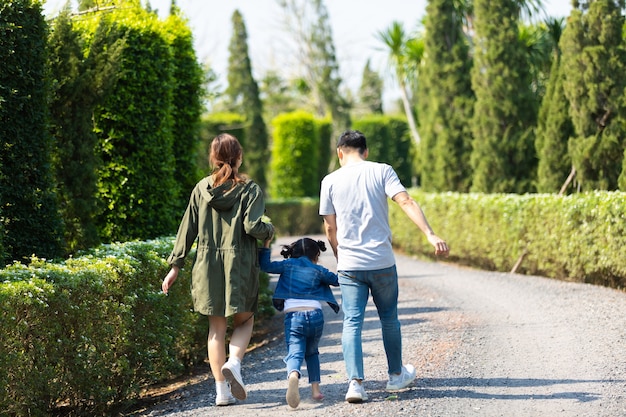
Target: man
[353, 202]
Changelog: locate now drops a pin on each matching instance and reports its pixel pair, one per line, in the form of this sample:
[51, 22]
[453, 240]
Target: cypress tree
[503, 157]
[594, 62]
[28, 211]
[445, 100]
[243, 94]
[370, 91]
[554, 128]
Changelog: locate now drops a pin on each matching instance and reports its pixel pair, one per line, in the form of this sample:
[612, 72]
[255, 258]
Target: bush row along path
[483, 343]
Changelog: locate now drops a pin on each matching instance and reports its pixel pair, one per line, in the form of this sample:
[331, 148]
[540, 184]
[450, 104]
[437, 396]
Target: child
[301, 288]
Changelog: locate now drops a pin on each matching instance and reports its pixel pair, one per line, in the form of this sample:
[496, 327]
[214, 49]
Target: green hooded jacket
[226, 223]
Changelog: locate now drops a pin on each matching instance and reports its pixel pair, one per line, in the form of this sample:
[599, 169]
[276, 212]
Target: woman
[224, 216]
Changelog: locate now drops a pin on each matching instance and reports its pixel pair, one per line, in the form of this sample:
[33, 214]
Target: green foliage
[554, 129]
[370, 92]
[594, 59]
[79, 82]
[326, 146]
[578, 237]
[188, 78]
[445, 100]
[503, 157]
[295, 156]
[94, 330]
[243, 93]
[212, 125]
[295, 216]
[314, 37]
[389, 141]
[137, 191]
[28, 211]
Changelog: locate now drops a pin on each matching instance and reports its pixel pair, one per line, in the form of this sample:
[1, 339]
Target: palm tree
[405, 53]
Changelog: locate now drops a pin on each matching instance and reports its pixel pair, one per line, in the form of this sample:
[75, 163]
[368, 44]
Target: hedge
[580, 237]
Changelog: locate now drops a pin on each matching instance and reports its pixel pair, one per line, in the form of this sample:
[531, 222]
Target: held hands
[169, 279]
[441, 247]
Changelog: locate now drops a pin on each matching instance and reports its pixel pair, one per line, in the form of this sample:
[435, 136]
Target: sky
[355, 24]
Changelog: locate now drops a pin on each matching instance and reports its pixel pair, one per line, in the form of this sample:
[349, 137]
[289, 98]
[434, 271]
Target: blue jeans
[355, 290]
[303, 331]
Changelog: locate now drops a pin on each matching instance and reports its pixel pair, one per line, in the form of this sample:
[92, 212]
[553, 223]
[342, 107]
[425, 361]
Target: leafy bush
[578, 237]
[295, 156]
[389, 141]
[295, 216]
[92, 331]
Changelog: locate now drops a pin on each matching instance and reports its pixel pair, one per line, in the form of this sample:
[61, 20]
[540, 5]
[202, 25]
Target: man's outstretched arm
[415, 213]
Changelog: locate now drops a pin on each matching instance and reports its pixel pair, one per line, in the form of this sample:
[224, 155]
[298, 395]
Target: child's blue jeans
[303, 331]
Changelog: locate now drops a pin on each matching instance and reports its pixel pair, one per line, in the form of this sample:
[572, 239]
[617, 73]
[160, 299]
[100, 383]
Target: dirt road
[484, 344]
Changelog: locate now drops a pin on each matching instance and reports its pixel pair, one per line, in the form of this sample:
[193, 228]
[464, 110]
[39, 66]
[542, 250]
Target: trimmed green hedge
[91, 332]
[295, 216]
[580, 237]
[94, 330]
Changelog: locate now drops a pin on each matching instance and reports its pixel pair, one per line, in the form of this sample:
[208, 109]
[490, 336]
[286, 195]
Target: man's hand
[441, 247]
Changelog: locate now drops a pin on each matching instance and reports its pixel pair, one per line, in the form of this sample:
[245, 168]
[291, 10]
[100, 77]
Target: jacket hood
[223, 197]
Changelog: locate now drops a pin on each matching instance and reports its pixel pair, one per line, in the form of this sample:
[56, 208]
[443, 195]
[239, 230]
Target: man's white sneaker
[232, 373]
[356, 392]
[397, 382]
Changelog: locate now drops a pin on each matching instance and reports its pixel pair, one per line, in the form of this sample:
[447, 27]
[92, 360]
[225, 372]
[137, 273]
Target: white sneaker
[225, 399]
[232, 373]
[356, 392]
[397, 382]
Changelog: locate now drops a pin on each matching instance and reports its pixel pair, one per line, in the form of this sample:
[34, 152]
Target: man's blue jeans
[355, 289]
[303, 331]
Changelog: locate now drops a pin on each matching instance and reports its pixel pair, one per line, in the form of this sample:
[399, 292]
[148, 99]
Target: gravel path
[483, 343]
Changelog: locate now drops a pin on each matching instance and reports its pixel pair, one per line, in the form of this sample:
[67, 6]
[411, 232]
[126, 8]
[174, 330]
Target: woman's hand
[169, 279]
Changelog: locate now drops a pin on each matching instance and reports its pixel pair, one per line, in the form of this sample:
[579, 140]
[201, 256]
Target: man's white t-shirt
[357, 194]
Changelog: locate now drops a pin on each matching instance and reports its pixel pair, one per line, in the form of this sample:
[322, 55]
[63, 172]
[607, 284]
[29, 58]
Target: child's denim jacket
[301, 279]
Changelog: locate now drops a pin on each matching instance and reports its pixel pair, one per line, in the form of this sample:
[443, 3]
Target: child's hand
[267, 243]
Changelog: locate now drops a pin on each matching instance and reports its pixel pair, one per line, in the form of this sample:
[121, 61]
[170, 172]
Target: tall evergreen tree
[503, 158]
[79, 83]
[445, 100]
[243, 94]
[594, 62]
[28, 210]
[554, 125]
[370, 91]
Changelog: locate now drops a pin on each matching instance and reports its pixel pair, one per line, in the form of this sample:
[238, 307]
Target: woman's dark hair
[304, 247]
[225, 152]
